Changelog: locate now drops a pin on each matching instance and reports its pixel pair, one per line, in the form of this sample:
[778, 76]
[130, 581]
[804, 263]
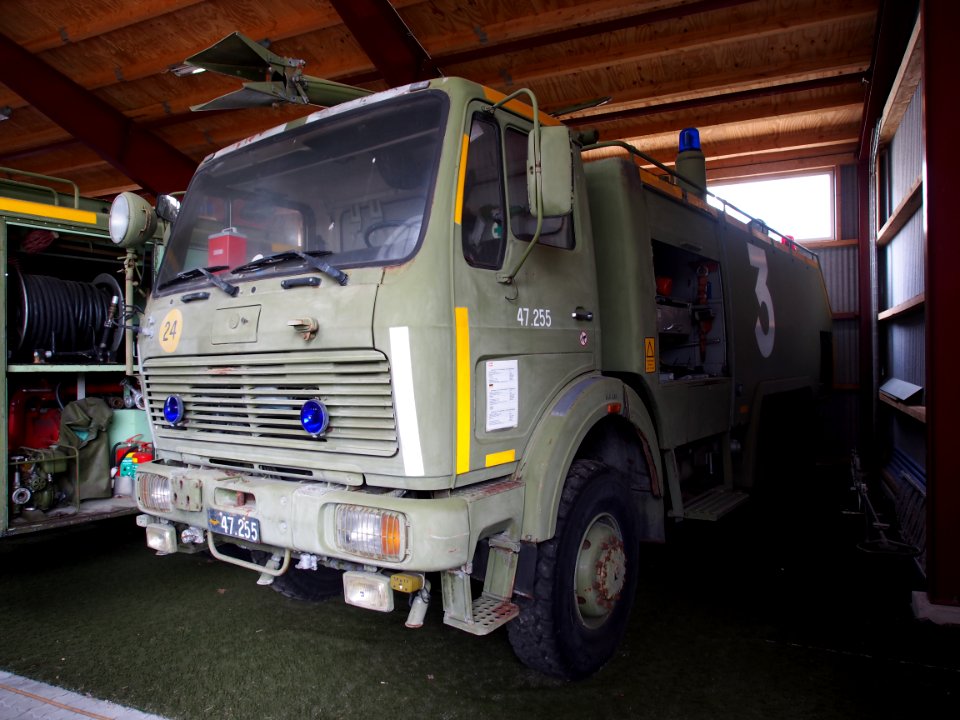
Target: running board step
[714, 504]
[488, 613]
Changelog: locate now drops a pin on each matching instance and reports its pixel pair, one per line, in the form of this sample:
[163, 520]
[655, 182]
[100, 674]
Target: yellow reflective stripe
[499, 458]
[25, 207]
[461, 178]
[520, 108]
[463, 389]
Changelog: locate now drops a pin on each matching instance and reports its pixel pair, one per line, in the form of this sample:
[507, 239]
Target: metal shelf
[50, 368]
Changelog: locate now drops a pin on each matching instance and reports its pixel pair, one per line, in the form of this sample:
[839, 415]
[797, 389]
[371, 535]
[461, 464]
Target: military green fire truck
[415, 335]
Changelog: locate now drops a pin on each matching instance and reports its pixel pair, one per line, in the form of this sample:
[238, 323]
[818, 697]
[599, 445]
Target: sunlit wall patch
[174, 409]
[314, 417]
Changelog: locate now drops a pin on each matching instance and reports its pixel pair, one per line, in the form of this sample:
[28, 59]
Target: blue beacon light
[689, 139]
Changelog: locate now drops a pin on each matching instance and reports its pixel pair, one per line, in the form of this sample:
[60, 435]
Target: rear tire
[586, 578]
[306, 585]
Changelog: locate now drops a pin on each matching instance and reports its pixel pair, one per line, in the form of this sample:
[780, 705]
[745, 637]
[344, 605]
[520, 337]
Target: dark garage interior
[700, 511]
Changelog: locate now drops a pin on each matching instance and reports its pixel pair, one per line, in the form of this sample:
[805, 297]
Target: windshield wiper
[207, 272]
[268, 260]
[311, 258]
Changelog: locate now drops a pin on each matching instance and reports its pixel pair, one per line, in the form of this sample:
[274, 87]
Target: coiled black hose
[60, 316]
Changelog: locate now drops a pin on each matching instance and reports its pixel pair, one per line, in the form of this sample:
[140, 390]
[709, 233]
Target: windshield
[353, 188]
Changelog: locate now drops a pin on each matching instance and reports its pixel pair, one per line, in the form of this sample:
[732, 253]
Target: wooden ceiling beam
[317, 16]
[535, 31]
[396, 54]
[712, 86]
[664, 149]
[851, 81]
[747, 117]
[103, 182]
[143, 157]
[768, 163]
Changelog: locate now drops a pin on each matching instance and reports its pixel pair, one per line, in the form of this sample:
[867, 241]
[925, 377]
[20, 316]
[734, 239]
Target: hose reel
[52, 319]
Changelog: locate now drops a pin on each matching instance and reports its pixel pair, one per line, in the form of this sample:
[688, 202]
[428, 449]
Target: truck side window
[484, 241]
[556, 231]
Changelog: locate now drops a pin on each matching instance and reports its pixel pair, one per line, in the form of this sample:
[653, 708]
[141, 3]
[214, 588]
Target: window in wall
[482, 225]
[801, 206]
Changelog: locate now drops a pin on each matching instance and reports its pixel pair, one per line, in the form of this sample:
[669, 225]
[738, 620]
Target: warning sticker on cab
[649, 355]
[171, 328]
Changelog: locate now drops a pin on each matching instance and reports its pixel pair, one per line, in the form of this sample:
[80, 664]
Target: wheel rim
[601, 571]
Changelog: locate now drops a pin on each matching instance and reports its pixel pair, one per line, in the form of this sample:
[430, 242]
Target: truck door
[517, 343]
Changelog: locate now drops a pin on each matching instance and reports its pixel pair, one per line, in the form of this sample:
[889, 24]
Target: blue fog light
[173, 409]
[314, 417]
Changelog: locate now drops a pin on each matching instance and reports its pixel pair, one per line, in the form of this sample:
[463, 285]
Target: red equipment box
[228, 248]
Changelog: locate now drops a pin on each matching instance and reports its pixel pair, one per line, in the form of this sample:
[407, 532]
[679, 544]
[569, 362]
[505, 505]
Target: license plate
[238, 526]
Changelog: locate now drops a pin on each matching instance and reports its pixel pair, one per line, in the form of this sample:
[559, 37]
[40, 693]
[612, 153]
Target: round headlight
[173, 409]
[314, 417]
[132, 220]
[119, 218]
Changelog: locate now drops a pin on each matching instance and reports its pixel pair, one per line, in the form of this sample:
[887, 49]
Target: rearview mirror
[555, 170]
[168, 207]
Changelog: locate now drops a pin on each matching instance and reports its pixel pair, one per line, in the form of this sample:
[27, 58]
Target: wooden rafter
[397, 55]
[141, 156]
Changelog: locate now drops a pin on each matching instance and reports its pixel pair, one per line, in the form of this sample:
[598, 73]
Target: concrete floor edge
[22, 697]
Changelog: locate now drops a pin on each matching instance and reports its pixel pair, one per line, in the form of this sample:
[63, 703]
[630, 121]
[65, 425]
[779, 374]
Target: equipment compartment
[70, 388]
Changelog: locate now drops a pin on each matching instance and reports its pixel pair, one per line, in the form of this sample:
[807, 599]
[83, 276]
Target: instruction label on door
[503, 394]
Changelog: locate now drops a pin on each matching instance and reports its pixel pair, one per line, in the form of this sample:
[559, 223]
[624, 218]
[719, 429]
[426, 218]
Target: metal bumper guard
[441, 533]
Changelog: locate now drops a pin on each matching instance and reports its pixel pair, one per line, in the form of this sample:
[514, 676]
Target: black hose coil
[63, 316]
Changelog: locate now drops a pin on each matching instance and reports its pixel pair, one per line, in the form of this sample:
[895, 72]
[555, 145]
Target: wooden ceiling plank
[315, 16]
[449, 27]
[721, 143]
[681, 89]
[850, 82]
[746, 116]
[644, 17]
[746, 166]
[741, 28]
[98, 23]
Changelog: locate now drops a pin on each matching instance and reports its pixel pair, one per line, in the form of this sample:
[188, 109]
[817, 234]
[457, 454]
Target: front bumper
[439, 533]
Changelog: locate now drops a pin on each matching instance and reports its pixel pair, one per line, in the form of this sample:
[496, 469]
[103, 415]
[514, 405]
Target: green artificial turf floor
[768, 614]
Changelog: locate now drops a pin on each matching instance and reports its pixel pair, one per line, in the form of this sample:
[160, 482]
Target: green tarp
[83, 425]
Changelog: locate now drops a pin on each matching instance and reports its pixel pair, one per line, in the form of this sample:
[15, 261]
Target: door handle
[582, 314]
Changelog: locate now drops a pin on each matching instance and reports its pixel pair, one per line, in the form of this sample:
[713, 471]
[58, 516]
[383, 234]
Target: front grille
[239, 403]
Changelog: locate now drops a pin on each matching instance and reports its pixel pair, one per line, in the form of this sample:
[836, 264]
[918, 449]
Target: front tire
[586, 578]
[305, 585]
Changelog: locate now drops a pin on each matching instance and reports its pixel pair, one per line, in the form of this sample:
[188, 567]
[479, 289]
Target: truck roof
[466, 87]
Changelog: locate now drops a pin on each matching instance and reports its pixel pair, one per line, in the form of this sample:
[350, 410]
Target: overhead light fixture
[183, 69]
